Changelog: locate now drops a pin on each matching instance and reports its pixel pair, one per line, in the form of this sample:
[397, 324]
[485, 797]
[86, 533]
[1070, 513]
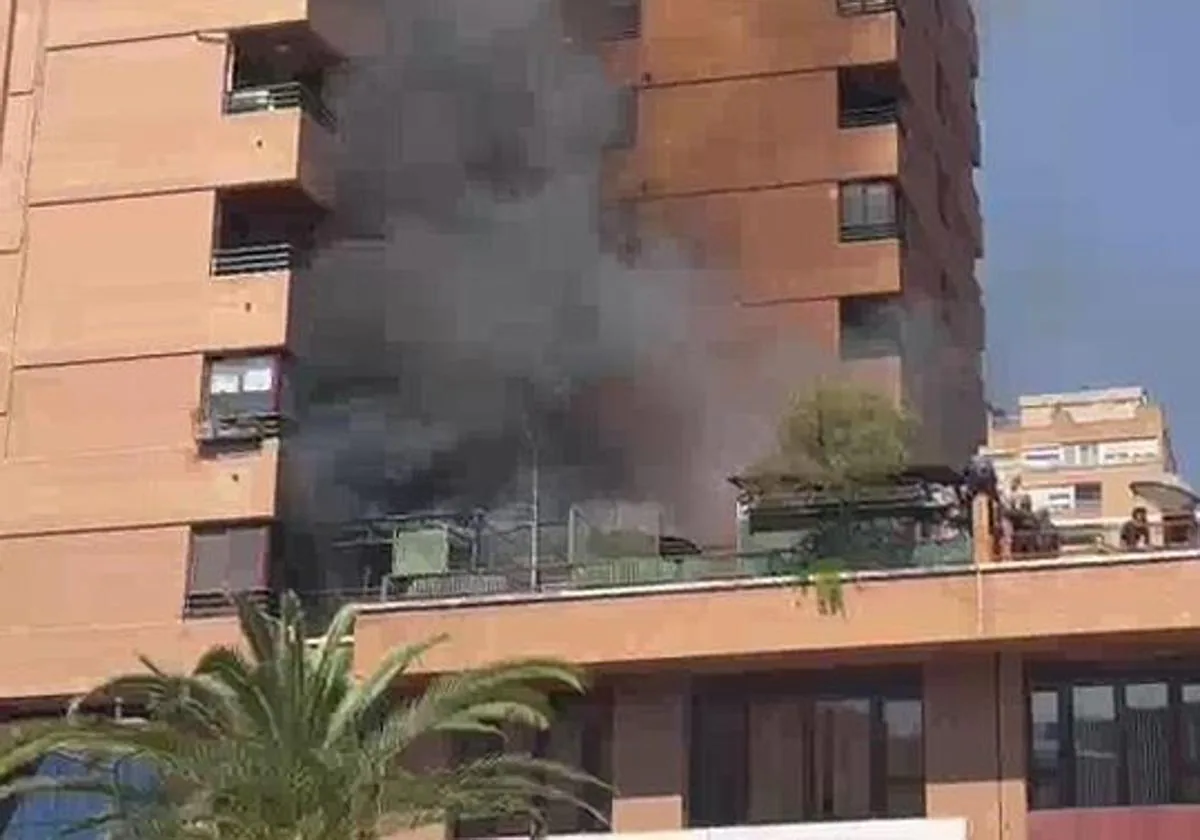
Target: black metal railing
[851, 8]
[279, 97]
[236, 428]
[555, 575]
[867, 231]
[864, 117]
[255, 259]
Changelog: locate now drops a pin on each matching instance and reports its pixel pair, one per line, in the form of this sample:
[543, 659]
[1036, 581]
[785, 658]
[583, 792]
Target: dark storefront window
[778, 751]
[1115, 741]
[581, 737]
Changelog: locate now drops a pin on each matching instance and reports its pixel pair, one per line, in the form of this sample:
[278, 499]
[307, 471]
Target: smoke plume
[464, 308]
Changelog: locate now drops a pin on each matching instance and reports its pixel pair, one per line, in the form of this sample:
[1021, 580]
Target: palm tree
[280, 742]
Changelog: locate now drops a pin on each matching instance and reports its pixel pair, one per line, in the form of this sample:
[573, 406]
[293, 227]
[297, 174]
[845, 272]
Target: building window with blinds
[225, 560]
[1105, 740]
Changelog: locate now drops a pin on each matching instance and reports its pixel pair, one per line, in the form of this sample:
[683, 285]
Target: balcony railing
[255, 259]
[241, 428]
[851, 8]
[867, 231]
[279, 97]
[869, 116]
[558, 577]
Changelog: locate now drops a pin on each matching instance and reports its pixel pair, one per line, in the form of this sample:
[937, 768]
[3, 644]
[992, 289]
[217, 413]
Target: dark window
[870, 327]
[1046, 749]
[718, 760]
[1088, 495]
[624, 19]
[581, 737]
[905, 755]
[869, 210]
[850, 8]
[868, 95]
[1189, 742]
[783, 753]
[1098, 742]
[625, 128]
[224, 560]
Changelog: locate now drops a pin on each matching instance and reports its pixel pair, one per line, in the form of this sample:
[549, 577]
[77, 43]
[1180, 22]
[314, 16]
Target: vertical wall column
[650, 754]
[428, 755]
[975, 743]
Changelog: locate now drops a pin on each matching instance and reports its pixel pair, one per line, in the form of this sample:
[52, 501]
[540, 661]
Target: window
[1129, 451]
[242, 385]
[1081, 455]
[1089, 496]
[1099, 741]
[241, 399]
[851, 8]
[625, 129]
[45, 814]
[1052, 498]
[869, 210]
[624, 19]
[1042, 457]
[774, 750]
[224, 560]
[870, 326]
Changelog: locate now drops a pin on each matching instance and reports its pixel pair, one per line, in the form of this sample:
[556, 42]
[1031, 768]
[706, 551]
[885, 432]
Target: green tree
[840, 436]
[278, 741]
[835, 443]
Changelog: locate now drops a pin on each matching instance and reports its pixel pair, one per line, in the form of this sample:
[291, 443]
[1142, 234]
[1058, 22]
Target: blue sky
[1091, 156]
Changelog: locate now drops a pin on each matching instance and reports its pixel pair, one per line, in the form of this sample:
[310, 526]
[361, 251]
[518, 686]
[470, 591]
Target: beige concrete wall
[690, 40]
[136, 282]
[975, 742]
[106, 309]
[754, 234]
[686, 144]
[146, 116]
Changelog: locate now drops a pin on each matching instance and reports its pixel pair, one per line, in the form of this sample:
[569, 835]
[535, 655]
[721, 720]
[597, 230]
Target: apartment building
[165, 168]
[1081, 456]
[825, 151]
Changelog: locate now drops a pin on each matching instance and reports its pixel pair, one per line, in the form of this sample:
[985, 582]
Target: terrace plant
[834, 443]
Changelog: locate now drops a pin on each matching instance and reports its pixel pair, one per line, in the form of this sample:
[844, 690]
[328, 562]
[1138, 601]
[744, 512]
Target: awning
[1170, 494]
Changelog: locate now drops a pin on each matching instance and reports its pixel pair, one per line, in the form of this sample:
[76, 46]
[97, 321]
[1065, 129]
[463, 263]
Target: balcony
[263, 231]
[868, 95]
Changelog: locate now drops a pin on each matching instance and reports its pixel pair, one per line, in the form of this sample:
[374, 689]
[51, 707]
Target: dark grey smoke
[463, 305]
